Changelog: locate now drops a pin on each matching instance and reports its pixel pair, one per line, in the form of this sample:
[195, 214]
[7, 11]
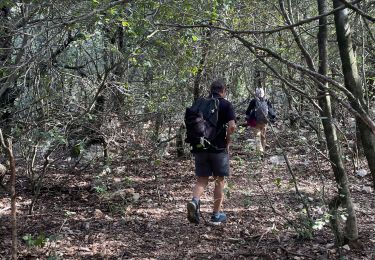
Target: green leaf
[194, 70]
[112, 11]
[41, 240]
[277, 181]
[157, 162]
[95, 2]
[194, 38]
[125, 23]
[28, 238]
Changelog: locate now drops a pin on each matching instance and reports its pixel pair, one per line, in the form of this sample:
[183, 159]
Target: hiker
[213, 159]
[259, 113]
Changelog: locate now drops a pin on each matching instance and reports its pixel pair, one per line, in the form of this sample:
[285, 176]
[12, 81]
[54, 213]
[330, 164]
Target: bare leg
[200, 186]
[218, 193]
[258, 139]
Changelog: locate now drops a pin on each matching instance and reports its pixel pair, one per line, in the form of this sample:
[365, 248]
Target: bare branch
[267, 31]
[356, 105]
[357, 10]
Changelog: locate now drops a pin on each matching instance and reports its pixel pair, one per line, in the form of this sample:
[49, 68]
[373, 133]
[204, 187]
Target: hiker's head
[259, 92]
[218, 87]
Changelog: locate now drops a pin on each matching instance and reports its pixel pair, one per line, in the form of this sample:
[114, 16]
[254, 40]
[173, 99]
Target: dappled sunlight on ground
[138, 211]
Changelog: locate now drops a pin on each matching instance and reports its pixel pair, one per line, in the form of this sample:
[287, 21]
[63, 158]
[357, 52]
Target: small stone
[361, 173]
[84, 249]
[367, 189]
[346, 247]
[319, 210]
[106, 217]
[98, 213]
[276, 159]
[136, 197]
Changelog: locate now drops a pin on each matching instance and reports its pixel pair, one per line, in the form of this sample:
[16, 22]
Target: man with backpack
[258, 114]
[209, 124]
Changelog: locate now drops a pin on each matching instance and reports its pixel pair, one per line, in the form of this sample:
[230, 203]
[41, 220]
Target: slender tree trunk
[353, 82]
[8, 148]
[180, 141]
[206, 39]
[118, 96]
[351, 232]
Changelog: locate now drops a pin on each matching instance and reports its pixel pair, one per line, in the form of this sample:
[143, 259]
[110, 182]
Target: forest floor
[138, 209]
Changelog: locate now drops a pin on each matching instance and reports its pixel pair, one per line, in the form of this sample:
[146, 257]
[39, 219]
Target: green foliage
[277, 182]
[321, 222]
[229, 187]
[157, 162]
[127, 181]
[305, 227]
[247, 202]
[239, 160]
[78, 149]
[100, 189]
[52, 136]
[99, 185]
[38, 241]
[7, 3]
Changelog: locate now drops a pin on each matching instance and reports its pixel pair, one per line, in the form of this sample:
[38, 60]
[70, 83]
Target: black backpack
[201, 122]
[261, 111]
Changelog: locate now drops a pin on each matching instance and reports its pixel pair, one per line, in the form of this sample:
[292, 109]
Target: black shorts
[211, 164]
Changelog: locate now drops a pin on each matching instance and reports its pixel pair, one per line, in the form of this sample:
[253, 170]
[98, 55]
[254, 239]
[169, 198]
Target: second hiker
[258, 114]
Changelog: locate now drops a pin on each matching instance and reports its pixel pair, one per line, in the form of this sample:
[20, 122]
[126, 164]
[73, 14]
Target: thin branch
[267, 31]
[297, 39]
[357, 10]
[285, 81]
[356, 105]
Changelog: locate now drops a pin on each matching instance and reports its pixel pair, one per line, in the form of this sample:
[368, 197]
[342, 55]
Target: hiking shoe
[218, 218]
[192, 212]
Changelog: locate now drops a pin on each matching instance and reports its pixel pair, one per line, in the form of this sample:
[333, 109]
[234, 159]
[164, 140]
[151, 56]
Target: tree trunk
[7, 96]
[351, 231]
[206, 38]
[353, 82]
[180, 141]
[9, 150]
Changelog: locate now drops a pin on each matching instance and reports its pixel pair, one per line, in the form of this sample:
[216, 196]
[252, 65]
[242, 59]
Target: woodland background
[93, 163]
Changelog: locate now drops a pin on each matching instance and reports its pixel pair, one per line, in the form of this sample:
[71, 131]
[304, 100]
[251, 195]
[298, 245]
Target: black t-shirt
[226, 114]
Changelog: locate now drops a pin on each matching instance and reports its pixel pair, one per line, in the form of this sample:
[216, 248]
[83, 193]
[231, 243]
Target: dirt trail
[137, 211]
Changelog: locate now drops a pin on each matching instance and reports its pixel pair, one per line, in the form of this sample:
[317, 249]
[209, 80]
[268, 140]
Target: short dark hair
[218, 86]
